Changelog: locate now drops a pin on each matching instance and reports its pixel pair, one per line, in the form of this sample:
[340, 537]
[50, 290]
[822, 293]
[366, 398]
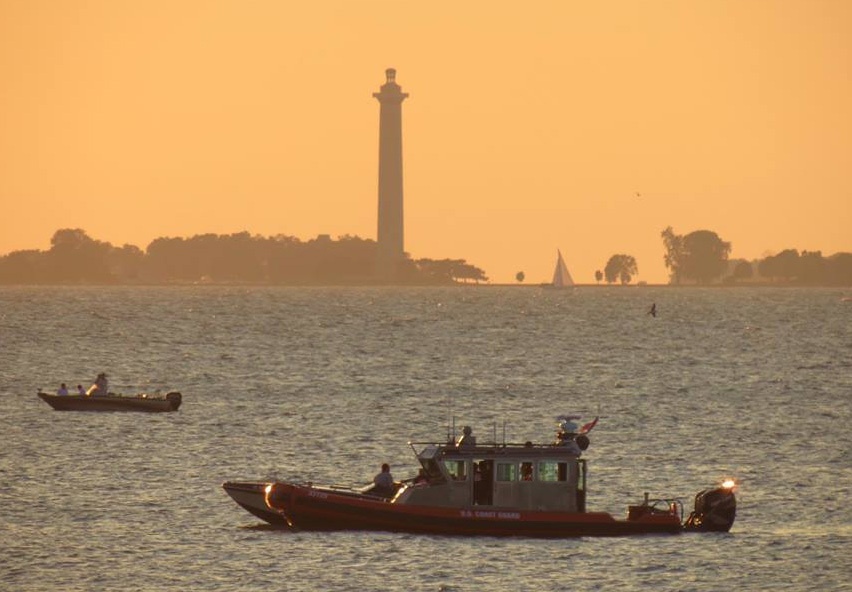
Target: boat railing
[661, 506]
[363, 491]
[487, 447]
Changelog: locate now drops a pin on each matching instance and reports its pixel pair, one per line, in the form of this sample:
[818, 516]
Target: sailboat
[561, 275]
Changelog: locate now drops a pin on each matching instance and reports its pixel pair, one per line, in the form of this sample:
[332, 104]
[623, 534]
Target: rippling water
[325, 384]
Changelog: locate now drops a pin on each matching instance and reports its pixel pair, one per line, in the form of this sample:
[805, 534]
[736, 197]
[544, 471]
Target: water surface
[325, 384]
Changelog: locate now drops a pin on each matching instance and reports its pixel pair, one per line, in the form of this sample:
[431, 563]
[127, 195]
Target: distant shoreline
[461, 285]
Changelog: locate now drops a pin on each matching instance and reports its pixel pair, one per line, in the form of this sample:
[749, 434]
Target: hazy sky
[530, 126]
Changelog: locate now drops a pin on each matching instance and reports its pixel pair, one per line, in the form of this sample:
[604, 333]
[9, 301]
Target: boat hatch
[432, 470]
[429, 452]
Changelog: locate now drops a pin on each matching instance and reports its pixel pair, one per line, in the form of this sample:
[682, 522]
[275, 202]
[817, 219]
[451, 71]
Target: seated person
[383, 483]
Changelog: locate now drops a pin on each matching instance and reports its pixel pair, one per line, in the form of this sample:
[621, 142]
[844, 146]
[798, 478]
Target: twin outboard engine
[174, 398]
[715, 510]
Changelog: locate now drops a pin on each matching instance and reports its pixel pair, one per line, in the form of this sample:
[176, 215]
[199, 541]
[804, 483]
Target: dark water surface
[325, 384]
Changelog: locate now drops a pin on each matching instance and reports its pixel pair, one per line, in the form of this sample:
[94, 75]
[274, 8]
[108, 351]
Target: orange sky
[530, 126]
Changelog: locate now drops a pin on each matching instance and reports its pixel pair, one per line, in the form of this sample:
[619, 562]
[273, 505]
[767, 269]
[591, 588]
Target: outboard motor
[715, 510]
[174, 398]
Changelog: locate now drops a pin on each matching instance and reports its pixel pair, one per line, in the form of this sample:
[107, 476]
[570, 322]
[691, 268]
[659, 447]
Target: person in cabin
[383, 482]
[100, 388]
[63, 390]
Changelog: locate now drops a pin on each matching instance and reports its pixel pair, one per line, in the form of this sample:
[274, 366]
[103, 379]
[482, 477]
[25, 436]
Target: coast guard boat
[465, 488]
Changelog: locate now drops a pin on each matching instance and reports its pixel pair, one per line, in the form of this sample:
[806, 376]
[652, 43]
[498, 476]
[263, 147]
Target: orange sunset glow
[587, 127]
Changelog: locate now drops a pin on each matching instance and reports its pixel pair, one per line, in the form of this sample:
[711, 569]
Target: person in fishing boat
[63, 390]
[100, 388]
[81, 390]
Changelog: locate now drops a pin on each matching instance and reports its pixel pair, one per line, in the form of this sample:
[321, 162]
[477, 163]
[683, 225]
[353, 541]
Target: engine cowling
[715, 510]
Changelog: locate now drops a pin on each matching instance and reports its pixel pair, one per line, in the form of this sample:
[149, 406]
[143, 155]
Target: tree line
[702, 257]
[74, 257]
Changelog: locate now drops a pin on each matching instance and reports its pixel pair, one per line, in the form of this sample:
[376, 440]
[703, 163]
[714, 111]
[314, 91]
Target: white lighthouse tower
[390, 235]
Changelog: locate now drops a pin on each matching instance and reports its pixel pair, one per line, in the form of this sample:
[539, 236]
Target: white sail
[561, 275]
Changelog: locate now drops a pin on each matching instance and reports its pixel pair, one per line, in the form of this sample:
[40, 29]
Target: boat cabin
[544, 477]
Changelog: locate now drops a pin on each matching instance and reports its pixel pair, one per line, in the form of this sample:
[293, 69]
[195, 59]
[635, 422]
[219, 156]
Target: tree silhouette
[447, 271]
[839, 271]
[74, 257]
[235, 258]
[700, 255]
[673, 257]
[620, 267]
[743, 270]
[784, 265]
[810, 268]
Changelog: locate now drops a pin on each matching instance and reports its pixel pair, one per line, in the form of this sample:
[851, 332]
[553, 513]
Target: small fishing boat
[492, 489]
[114, 402]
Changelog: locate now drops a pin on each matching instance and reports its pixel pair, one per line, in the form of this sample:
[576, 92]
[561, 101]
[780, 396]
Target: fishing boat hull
[318, 508]
[251, 496]
[143, 402]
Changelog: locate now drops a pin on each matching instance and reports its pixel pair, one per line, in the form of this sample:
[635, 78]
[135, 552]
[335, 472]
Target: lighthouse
[391, 249]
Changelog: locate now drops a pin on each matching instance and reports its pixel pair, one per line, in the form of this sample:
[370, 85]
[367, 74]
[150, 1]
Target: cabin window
[456, 469]
[507, 472]
[526, 471]
[549, 470]
[433, 470]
